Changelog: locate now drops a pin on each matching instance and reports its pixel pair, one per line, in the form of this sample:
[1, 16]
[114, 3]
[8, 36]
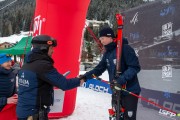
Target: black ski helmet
[43, 42]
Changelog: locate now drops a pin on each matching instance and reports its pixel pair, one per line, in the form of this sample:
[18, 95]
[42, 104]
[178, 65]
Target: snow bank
[14, 38]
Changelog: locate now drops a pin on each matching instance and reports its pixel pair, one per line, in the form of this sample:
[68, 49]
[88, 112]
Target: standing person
[129, 68]
[7, 82]
[37, 78]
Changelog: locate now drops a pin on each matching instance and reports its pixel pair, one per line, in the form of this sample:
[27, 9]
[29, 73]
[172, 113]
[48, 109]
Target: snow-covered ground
[14, 38]
[90, 105]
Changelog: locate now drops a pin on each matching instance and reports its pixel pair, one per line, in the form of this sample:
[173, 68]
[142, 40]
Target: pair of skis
[117, 111]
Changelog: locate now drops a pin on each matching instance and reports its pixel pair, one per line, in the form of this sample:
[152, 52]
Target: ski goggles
[52, 43]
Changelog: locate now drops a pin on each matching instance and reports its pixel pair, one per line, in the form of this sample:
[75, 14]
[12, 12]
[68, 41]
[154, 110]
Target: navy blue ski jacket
[7, 85]
[129, 66]
[36, 80]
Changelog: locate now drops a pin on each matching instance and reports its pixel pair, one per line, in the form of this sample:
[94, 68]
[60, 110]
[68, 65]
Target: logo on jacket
[22, 81]
[130, 113]
[114, 61]
[22, 75]
[12, 80]
[107, 62]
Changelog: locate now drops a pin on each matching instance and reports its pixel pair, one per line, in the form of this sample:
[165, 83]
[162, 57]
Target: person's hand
[13, 99]
[97, 78]
[82, 77]
[115, 85]
[81, 82]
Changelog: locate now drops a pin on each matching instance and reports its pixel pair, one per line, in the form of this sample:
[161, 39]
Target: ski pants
[129, 102]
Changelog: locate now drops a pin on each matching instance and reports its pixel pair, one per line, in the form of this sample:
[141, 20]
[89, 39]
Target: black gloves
[115, 86]
[83, 77]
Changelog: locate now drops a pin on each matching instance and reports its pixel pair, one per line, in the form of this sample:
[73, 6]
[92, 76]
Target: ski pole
[115, 113]
[146, 100]
[151, 102]
[95, 38]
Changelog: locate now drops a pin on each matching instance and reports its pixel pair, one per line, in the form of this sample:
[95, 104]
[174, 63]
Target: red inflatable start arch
[64, 20]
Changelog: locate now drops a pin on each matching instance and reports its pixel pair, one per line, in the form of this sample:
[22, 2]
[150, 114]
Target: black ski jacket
[7, 85]
[36, 80]
[129, 66]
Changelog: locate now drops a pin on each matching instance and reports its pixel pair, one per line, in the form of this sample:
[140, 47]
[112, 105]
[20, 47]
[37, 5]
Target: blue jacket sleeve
[132, 63]
[3, 101]
[58, 80]
[98, 70]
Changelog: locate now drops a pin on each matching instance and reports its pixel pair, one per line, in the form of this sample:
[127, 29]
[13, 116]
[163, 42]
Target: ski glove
[83, 77]
[115, 85]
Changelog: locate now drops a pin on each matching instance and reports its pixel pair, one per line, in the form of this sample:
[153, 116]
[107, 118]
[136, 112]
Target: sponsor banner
[165, 99]
[98, 86]
[154, 34]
